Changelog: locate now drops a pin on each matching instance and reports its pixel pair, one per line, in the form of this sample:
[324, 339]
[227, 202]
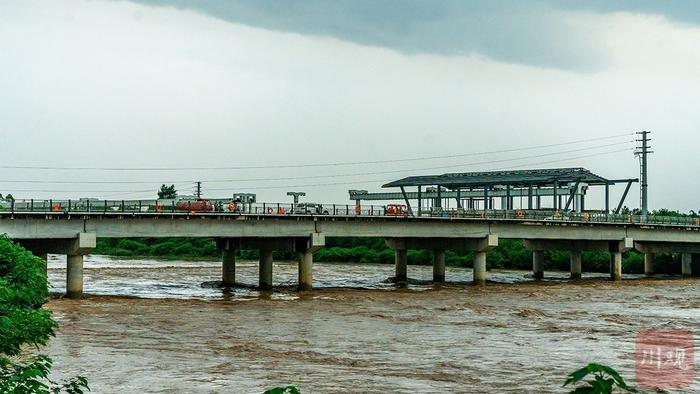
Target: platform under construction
[566, 188]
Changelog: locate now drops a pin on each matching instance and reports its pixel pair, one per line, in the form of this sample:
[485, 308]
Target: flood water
[150, 326]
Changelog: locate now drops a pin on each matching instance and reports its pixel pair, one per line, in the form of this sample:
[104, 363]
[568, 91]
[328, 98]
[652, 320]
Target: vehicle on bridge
[309, 208]
[199, 205]
[396, 210]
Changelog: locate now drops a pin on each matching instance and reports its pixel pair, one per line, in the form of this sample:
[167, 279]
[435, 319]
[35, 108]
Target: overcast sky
[185, 83]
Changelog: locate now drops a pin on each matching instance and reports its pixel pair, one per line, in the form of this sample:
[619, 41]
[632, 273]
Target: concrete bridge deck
[75, 233]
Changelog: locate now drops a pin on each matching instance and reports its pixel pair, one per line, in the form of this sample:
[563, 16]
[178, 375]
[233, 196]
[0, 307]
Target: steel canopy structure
[514, 178]
[478, 190]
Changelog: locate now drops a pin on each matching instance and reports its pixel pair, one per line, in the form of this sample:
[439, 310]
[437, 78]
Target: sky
[113, 98]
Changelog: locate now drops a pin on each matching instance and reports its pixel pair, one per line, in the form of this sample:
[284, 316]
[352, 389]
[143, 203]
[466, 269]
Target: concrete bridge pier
[306, 261]
[479, 244]
[575, 264]
[479, 268]
[685, 249]
[538, 264]
[686, 265]
[265, 270]
[228, 267]
[400, 247]
[306, 247]
[228, 247]
[74, 276]
[616, 250]
[616, 266]
[401, 265]
[438, 265]
[648, 264]
[74, 249]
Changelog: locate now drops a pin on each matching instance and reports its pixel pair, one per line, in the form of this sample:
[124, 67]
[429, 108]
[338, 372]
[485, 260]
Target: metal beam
[508, 197]
[624, 195]
[486, 198]
[408, 204]
[389, 196]
[571, 196]
[420, 203]
[615, 181]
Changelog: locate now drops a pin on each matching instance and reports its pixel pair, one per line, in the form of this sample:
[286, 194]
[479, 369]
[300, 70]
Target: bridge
[72, 227]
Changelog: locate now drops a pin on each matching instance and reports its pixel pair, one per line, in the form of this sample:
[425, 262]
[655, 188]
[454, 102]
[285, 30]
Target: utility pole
[642, 151]
[198, 190]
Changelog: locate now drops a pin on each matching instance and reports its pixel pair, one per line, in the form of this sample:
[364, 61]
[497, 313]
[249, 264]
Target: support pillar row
[438, 265]
[265, 270]
[74, 276]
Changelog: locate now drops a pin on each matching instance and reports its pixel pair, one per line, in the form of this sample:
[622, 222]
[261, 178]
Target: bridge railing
[216, 206]
[226, 206]
[553, 215]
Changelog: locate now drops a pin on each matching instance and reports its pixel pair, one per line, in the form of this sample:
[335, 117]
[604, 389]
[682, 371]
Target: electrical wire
[278, 166]
[389, 180]
[327, 176]
[329, 184]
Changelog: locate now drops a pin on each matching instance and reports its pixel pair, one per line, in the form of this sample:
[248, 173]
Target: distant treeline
[509, 254]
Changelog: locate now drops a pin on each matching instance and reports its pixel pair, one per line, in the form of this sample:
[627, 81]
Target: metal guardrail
[227, 207]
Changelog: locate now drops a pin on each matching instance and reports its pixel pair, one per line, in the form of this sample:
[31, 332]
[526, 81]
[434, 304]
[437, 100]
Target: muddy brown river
[150, 326]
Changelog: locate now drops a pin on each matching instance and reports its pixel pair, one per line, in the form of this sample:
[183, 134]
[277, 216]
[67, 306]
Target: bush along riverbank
[25, 325]
[510, 254]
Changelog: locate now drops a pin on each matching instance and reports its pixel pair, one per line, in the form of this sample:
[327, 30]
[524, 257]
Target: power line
[387, 180]
[278, 166]
[332, 175]
[342, 183]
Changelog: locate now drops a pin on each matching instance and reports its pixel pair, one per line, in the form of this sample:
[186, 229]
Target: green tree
[167, 192]
[605, 380]
[23, 320]
[9, 197]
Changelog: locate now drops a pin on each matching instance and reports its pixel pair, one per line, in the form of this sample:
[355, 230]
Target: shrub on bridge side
[23, 321]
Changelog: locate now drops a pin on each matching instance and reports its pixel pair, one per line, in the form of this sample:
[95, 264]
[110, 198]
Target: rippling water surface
[151, 326]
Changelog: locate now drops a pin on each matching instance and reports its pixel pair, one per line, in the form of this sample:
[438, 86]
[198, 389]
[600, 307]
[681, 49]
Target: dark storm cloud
[513, 31]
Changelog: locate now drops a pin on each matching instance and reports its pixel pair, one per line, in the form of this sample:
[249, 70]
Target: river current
[158, 327]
